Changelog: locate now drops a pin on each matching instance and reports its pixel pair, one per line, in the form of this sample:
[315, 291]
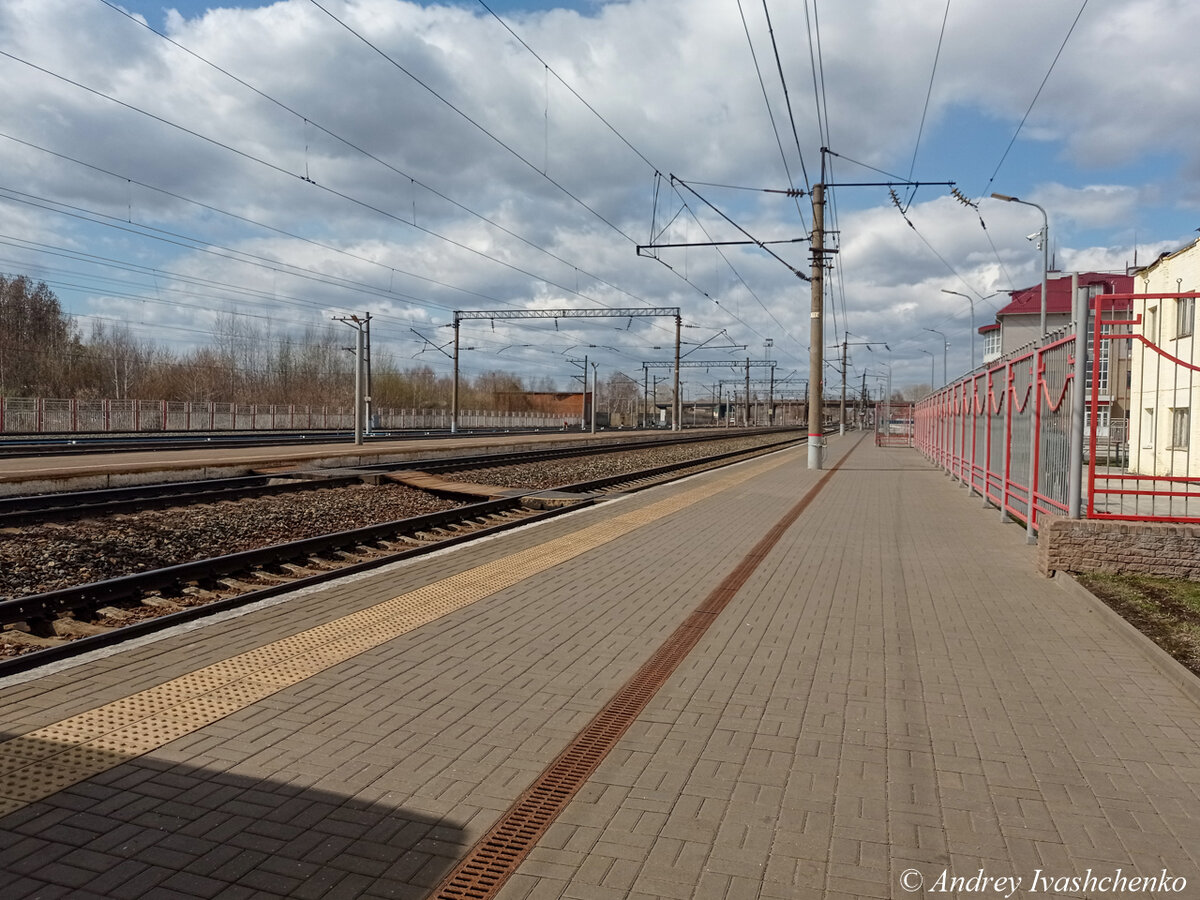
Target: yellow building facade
[1164, 431]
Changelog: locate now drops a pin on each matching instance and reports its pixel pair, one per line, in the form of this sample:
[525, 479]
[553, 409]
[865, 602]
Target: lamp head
[1004, 197]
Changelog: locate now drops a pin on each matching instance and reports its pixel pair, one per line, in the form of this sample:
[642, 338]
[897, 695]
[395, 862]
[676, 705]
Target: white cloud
[677, 81]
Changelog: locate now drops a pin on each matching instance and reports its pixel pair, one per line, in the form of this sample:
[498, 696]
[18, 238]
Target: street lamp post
[1035, 426]
[970, 300]
[1045, 249]
[929, 353]
[945, 349]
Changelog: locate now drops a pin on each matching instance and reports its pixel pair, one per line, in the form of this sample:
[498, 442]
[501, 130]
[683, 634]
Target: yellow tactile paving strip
[40, 763]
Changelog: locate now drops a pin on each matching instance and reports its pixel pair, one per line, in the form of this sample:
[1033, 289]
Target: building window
[1152, 324]
[991, 343]
[1102, 422]
[1180, 428]
[1102, 359]
[1098, 356]
[1148, 427]
[1185, 316]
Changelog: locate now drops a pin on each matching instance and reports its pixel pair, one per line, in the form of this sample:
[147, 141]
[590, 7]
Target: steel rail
[18, 446]
[89, 597]
[26, 509]
[78, 504]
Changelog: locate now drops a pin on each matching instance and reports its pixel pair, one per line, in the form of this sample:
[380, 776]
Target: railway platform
[762, 681]
[47, 472]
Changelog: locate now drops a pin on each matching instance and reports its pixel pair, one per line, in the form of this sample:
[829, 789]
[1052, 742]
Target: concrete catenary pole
[367, 399]
[747, 393]
[583, 407]
[357, 324]
[358, 383]
[816, 331]
[771, 399]
[842, 412]
[677, 402]
[454, 389]
[645, 396]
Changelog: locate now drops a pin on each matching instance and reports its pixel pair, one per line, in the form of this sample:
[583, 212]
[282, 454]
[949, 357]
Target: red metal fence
[894, 425]
[1152, 474]
[1005, 431]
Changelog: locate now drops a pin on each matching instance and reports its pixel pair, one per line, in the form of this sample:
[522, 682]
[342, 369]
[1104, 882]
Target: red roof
[1028, 301]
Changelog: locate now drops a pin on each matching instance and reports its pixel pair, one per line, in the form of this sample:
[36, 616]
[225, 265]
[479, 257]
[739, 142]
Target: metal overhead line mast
[711, 363]
[730, 363]
[625, 313]
[363, 327]
[816, 349]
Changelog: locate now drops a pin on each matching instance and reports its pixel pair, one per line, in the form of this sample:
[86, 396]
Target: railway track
[56, 507]
[67, 622]
[34, 445]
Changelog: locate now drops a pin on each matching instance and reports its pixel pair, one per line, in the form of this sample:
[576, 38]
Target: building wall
[1018, 330]
[1159, 386]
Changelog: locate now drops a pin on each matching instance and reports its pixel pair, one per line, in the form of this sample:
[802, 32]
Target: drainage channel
[496, 856]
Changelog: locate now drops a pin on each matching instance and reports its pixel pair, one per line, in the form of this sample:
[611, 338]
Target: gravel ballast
[39, 558]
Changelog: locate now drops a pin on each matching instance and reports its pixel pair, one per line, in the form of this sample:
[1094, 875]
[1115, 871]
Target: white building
[1164, 376]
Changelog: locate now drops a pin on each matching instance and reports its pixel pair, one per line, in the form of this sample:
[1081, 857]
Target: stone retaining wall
[1115, 548]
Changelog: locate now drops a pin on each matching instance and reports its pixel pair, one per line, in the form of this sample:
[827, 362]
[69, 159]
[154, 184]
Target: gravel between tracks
[41, 558]
[541, 475]
[45, 557]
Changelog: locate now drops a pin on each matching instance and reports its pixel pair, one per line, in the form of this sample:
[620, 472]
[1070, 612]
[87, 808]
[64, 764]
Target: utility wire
[250, 157]
[767, 102]
[824, 99]
[348, 143]
[657, 172]
[575, 93]
[929, 93]
[474, 123]
[816, 82]
[361, 150]
[742, 230]
[413, 180]
[899, 179]
[229, 253]
[244, 219]
[1032, 102]
[787, 98]
[757, 299]
[175, 303]
[932, 249]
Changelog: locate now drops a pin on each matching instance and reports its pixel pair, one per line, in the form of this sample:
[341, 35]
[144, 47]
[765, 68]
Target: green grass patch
[1166, 610]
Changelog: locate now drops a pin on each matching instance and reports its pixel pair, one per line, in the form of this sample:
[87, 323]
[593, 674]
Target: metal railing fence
[1005, 431]
[894, 424]
[19, 415]
[1152, 475]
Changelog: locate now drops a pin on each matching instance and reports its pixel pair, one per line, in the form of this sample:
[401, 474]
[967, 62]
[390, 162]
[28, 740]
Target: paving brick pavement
[893, 688]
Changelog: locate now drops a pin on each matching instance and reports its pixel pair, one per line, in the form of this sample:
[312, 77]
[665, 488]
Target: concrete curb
[1170, 667]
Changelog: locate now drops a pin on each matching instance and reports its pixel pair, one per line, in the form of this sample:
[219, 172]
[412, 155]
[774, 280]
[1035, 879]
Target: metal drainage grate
[499, 852]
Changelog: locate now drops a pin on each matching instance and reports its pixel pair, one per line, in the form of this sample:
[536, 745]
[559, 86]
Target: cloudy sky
[177, 167]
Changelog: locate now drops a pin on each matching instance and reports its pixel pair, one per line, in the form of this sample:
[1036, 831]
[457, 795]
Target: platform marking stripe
[496, 856]
[40, 763]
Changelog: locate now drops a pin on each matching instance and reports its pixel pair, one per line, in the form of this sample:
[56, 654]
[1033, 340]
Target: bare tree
[36, 338]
